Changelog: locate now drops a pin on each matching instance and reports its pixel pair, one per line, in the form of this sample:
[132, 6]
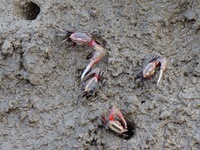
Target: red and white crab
[149, 69]
[115, 121]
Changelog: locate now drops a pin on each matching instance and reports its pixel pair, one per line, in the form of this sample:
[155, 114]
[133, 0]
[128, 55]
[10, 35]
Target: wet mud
[40, 76]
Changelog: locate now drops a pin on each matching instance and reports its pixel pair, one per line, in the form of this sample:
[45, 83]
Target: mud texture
[40, 76]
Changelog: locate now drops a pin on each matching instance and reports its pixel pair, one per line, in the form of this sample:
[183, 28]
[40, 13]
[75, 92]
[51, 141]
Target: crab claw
[96, 72]
[117, 125]
[90, 65]
[119, 114]
[99, 53]
[163, 66]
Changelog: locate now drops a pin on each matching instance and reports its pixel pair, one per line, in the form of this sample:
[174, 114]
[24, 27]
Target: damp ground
[40, 76]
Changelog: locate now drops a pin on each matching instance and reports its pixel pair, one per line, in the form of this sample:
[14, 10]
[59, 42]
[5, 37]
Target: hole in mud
[94, 142]
[89, 56]
[30, 11]
[47, 58]
[142, 102]
[131, 131]
[185, 74]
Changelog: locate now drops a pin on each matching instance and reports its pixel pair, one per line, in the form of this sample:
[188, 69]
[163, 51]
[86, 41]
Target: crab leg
[64, 40]
[103, 118]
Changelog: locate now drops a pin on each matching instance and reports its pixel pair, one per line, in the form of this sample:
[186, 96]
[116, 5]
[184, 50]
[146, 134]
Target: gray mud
[40, 77]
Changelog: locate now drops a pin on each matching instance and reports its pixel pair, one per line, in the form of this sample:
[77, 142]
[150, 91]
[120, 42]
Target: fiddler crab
[115, 121]
[81, 38]
[150, 68]
[93, 83]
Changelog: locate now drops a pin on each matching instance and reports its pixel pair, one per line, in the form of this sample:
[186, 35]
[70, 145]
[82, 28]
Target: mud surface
[40, 76]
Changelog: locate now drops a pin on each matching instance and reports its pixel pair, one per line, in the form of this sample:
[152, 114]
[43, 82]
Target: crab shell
[149, 70]
[80, 38]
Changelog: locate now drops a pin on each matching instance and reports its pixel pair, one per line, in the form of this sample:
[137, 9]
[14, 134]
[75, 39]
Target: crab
[81, 38]
[116, 124]
[93, 83]
[150, 68]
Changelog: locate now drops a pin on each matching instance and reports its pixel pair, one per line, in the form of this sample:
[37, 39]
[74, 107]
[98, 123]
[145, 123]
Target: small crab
[116, 124]
[93, 83]
[149, 69]
[81, 38]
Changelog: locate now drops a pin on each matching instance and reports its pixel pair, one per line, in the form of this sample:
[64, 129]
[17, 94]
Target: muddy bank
[40, 76]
